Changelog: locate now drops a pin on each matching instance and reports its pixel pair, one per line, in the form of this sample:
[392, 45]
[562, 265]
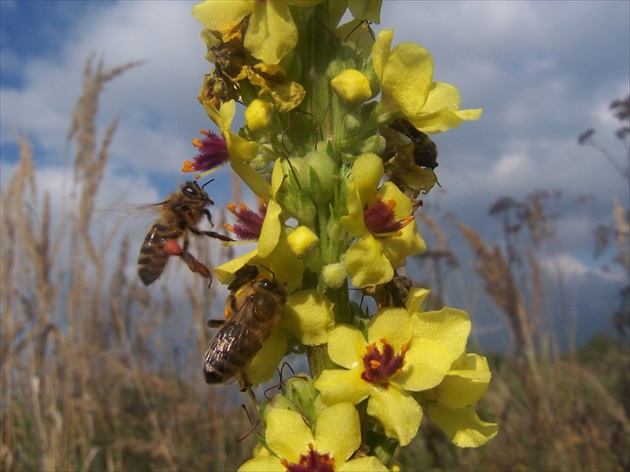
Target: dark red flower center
[380, 365]
[312, 461]
[379, 218]
[249, 224]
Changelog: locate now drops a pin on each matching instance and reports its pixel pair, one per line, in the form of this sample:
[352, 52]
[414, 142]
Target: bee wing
[133, 210]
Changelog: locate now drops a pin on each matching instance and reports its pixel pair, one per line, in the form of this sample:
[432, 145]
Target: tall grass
[89, 379]
[100, 373]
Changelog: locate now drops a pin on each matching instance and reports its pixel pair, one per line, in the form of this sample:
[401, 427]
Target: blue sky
[543, 72]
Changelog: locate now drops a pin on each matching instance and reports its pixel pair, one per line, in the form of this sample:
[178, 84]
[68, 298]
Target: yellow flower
[403, 353]
[337, 436]
[271, 32]
[273, 252]
[279, 246]
[448, 404]
[406, 77]
[381, 220]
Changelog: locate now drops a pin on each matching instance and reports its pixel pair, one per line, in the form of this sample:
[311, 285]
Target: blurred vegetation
[101, 373]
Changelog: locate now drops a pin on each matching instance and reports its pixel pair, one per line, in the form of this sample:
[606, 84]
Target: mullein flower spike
[335, 146]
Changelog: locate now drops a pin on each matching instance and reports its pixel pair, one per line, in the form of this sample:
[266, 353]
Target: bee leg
[245, 385]
[211, 234]
[215, 323]
[173, 249]
[206, 212]
[195, 266]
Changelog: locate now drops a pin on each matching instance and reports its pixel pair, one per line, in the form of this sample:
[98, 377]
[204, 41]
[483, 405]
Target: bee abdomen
[230, 353]
[152, 258]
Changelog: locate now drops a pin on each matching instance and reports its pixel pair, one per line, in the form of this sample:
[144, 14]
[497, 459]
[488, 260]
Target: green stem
[318, 359]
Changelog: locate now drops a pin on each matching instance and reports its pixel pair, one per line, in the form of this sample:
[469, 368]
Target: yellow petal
[426, 364]
[285, 265]
[309, 316]
[407, 77]
[464, 384]
[397, 411]
[225, 272]
[367, 172]
[263, 464]
[354, 221]
[338, 431]
[219, 15]
[443, 120]
[271, 229]
[448, 327]
[271, 33]
[441, 95]
[403, 207]
[398, 248]
[346, 346]
[381, 51]
[339, 385]
[287, 434]
[366, 10]
[463, 426]
[263, 366]
[367, 264]
[416, 297]
[392, 324]
[363, 464]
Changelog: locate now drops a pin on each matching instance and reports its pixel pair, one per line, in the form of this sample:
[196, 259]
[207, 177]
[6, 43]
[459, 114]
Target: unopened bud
[258, 114]
[352, 86]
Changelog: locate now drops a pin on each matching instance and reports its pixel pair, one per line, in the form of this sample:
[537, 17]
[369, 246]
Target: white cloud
[542, 71]
[575, 271]
[156, 101]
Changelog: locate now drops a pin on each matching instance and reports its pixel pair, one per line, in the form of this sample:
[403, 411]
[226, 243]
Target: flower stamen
[381, 365]
[213, 153]
[379, 218]
[249, 224]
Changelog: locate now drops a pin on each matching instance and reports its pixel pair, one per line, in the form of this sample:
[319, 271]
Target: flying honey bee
[179, 214]
[253, 308]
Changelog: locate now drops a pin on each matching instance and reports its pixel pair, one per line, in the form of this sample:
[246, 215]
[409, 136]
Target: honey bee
[394, 293]
[252, 310]
[179, 214]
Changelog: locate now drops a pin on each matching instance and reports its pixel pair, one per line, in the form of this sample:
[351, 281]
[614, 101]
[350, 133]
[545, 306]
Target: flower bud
[301, 240]
[317, 173]
[258, 114]
[301, 392]
[334, 275]
[352, 86]
[351, 124]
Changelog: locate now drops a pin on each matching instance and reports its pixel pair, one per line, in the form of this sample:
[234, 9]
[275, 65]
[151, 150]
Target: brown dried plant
[88, 379]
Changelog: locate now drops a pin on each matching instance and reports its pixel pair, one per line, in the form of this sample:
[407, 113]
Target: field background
[101, 373]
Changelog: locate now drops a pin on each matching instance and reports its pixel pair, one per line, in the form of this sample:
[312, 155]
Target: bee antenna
[211, 180]
[269, 270]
